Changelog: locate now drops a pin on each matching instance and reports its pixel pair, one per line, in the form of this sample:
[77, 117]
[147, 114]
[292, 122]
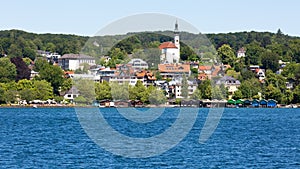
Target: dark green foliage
[270, 60]
[51, 73]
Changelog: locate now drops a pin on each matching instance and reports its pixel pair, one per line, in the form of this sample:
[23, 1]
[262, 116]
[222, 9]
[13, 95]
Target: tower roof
[176, 28]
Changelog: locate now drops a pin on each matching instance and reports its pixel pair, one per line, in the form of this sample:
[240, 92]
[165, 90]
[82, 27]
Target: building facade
[75, 61]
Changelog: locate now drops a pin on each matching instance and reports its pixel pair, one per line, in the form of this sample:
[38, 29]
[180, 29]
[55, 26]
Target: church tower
[176, 37]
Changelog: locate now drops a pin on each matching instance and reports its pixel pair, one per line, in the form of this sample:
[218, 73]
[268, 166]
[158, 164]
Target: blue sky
[86, 17]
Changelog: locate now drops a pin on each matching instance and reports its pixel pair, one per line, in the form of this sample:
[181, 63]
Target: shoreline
[34, 106]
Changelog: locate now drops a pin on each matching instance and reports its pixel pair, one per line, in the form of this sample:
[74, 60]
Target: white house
[176, 85]
[170, 52]
[75, 61]
[229, 82]
[138, 64]
[241, 53]
[71, 94]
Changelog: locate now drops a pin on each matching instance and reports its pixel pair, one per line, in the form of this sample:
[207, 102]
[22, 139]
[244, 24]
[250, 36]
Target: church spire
[176, 31]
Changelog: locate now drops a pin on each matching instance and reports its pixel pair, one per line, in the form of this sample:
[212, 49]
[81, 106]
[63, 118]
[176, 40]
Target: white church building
[170, 51]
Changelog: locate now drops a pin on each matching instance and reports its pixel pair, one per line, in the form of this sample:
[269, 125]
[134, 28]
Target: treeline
[15, 82]
[24, 44]
[90, 90]
[16, 43]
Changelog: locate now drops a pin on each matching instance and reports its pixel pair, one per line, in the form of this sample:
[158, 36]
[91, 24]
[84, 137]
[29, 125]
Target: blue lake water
[244, 138]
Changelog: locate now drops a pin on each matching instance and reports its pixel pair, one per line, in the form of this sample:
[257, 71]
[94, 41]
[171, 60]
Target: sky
[87, 17]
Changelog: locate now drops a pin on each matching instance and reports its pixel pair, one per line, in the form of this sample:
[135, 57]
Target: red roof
[167, 45]
[204, 67]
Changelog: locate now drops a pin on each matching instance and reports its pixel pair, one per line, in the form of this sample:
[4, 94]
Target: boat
[34, 106]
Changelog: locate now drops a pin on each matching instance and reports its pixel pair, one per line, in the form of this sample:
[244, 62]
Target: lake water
[244, 138]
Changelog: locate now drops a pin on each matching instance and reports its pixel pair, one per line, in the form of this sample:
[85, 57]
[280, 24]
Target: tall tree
[250, 88]
[8, 70]
[184, 87]
[226, 53]
[205, 89]
[43, 90]
[103, 90]
[270, 61]
[157, 97]
[51, 73]
[23, 72]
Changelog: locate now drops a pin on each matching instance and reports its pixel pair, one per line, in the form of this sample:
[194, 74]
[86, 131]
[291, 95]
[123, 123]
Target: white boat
[34, 106]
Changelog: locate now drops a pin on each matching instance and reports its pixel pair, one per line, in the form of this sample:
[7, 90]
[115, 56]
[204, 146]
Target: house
[202, 76]
[174, 70]
[138, 64]
[225, 67]
[124, 74]
[260, 74]
[71, 94]
[281, 66]
[253, 67]
[230, 83]
[271, 103]
[207, 69]
[170, 51]
[33, 74]
[241, 53]
[146, 77]
[290, 84]
[75, 61]
[194, 65]
[175, 86]
[51, 57]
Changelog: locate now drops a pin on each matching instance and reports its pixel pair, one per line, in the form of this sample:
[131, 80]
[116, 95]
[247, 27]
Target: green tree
[287, 97]
[50, 47]
[157, 97]
[250, 88]
[237, 95]
[247, 74]
[24, 84]
[226, 53]
[270, 61]
[103, 91]
[276, 80]
[10, 96]
[216, 93]
[205, 89]
[120, 92]
[29, 53]
[139, 92]
[184, 87]
[43, 90]
[51, 73]
[254, 51]
[80, 100]
[272, 92]
[296, 95]
[14, 51]
[27, 94]
[66, 85]
[8, 70]
[197, 95]
[86, 89]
